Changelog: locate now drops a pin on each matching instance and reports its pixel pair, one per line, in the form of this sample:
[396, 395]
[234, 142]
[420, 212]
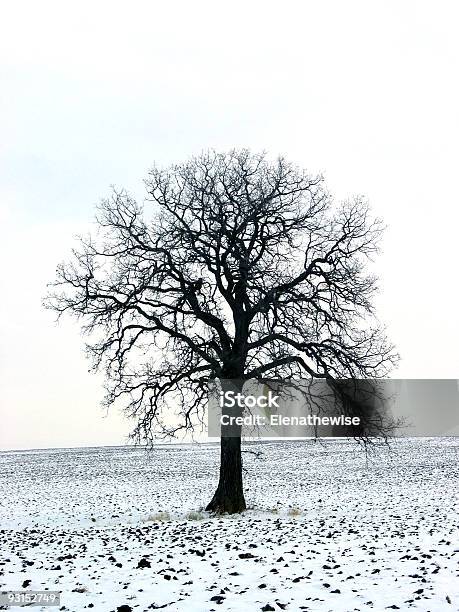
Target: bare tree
[234, 268]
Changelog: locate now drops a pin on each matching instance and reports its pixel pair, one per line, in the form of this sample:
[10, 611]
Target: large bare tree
[234, 267]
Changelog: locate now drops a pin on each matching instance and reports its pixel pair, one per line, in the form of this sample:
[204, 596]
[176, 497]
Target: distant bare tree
[235, 268]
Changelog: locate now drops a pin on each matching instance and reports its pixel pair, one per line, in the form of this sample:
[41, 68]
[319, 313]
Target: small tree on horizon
[234, 268]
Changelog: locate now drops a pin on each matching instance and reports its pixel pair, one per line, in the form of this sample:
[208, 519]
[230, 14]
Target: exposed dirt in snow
[329, 530]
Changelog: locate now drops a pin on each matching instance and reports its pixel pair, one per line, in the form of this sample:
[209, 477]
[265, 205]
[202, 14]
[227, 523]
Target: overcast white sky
[92, 93]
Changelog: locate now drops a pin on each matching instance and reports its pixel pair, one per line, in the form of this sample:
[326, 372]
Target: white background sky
[92, 93]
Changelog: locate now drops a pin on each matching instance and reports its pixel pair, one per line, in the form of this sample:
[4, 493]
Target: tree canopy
[233, 267]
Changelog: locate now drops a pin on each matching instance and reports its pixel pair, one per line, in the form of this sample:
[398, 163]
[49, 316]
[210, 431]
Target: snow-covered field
[328, 530]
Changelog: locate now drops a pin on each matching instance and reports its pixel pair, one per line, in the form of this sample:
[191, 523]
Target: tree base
[226, 504]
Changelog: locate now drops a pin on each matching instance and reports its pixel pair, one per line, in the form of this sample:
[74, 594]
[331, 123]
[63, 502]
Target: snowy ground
[328, 531]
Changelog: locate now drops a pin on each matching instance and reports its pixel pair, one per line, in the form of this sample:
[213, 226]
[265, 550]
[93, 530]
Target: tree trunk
[229, 496]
